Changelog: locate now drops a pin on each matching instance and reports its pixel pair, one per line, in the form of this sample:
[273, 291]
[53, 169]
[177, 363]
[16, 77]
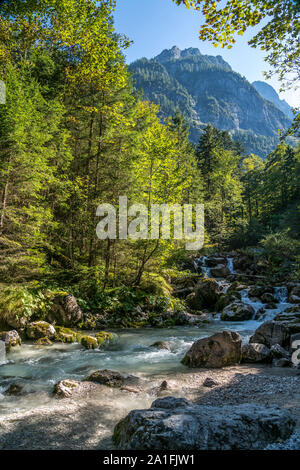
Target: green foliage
[23, 303]
[280, 246]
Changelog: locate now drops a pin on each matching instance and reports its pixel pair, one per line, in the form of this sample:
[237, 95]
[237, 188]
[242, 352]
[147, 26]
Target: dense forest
[74, 133]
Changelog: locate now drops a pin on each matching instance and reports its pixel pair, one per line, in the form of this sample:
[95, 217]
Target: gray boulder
[255, 352]
[176, 424]
[278, 352]
[238, 311]
[270, 333]
[220, 350]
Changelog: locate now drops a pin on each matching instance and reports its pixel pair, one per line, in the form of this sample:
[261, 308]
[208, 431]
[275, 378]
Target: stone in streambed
[111, 378]
[65, 388]
[14, 390]
[255, 352]
[209, 383]
[271, 333]
[11, 339]
[176, 424]
[161, 345]
[40, 329]
[238, 311]
[89, 342]
[278, 352]
[220, 350]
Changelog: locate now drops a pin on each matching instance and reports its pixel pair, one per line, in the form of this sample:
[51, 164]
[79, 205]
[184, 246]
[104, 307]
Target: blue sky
[155, 25]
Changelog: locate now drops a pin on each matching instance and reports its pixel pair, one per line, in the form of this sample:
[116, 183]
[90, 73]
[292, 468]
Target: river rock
[11, 339]
[238, 311]
[282, 362]
[14, 390]
[255, 352]
[294, 299]
[278, 352]
[209, 383]
[65, 388]
[220, 271]
[295, 290]
[112, 378]
[65, 311]
[176, 424]
[220, 350]
[214, 261]
[40, 329]
[291, 321]
[207, 293]
[89, 342]
[270, 333]
[161, 345]
[185, 318]
[268, 298]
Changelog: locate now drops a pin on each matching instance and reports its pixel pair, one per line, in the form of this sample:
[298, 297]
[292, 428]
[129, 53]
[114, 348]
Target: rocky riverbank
[86, 421]
[66, 388]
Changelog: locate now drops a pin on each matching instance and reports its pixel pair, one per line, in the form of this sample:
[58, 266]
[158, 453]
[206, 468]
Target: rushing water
[38, 368]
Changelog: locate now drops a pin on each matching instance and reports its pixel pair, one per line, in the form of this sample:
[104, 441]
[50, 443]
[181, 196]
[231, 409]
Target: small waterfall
[281, 294]
[230, 265]
[256, 304]
[205, 269]
[2, 353]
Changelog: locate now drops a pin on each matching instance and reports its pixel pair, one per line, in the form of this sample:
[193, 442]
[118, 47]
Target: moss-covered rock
[43, 341]
[103, 336]
[65, 335]
[40, 329]
[65, 388]
[89, 342]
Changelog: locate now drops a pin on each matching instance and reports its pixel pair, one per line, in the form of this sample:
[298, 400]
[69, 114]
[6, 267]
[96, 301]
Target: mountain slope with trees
[208, 91]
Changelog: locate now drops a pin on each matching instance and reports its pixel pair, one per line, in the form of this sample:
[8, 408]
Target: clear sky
[154, 25]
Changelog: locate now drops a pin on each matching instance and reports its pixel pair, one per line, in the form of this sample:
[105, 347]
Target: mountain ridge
[208, 91]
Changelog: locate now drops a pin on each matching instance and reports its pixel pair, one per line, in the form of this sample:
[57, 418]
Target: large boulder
[238, 311]
[65, 311]
[270, 333]
[207, 293]
[255, 352]
[220, 350]
[176, 424]
[40, 329]
[11, 339]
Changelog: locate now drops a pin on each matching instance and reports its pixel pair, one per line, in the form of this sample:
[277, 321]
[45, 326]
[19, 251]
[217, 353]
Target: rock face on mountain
[268, 93]
[207, 90]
